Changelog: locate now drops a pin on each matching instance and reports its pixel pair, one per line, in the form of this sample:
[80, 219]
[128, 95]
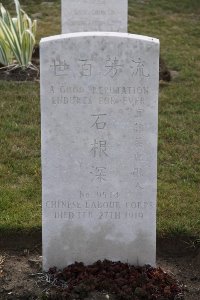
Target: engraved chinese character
[113, 67]
[139, 68]
[139, 113]
[97, 123]
[99, 173]
[86, 68]
[140, 101]
[139, 156]
[61, 68]
[138, 127]
[137, 172]
[99, 148]
[139, 142]
[139, 186]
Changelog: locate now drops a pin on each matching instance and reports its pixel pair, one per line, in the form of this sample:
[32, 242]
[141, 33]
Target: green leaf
[17, 36]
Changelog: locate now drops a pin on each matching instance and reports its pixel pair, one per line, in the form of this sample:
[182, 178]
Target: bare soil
[31, 73]
[21, 274]
[18, 74]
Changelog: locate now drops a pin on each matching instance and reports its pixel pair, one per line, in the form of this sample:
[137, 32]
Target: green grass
[176, 24]
[20, 183]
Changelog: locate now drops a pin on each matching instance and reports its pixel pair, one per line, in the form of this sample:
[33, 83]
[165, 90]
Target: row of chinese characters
[111, 67]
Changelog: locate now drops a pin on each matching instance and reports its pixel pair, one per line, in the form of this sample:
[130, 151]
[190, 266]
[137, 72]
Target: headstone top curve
[99, 34]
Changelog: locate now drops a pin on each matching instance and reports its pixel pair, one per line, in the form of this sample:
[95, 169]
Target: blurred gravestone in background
[94, 15]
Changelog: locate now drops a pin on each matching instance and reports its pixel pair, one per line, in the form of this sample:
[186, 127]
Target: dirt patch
[121, 280]
[21, 274]
[31, 73]
[164, 73]
[18, 74]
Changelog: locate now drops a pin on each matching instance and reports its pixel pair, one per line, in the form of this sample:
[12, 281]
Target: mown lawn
[176, 24]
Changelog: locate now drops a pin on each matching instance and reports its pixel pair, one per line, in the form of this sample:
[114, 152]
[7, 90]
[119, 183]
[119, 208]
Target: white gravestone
[94, 15]
[99, 106]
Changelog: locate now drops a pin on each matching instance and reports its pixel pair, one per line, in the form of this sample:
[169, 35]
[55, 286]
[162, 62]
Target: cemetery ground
[178, 220]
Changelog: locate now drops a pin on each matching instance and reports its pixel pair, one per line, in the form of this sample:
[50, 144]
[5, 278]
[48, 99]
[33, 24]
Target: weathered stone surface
[94, 15]
[99, 106]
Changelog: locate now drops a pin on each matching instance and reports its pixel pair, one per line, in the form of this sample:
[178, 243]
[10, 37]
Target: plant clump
[17, 37]
[124, 281]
